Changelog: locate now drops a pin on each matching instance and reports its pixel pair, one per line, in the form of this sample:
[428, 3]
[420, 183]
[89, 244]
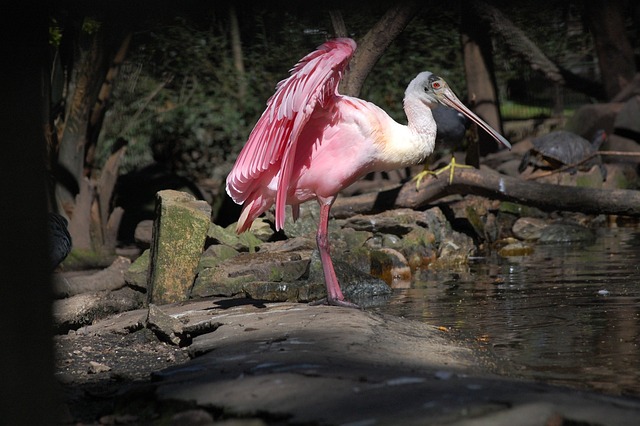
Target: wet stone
[515, 249]
[559, 233]
[528, 228]
[359, 287]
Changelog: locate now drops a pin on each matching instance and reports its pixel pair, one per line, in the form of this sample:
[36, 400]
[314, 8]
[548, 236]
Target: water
[567, 314]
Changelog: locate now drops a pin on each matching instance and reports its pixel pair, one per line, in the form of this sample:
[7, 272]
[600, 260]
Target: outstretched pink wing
[272, 143]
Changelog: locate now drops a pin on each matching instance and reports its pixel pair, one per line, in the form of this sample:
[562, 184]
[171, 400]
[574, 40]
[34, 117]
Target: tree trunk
[519, 44]
[478, 68]
[375, 42]
[87, 75]
[102, 103]
[615, 54]
[236, 49]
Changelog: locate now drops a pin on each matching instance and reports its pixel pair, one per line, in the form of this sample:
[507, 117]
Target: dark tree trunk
[375, 42]
[516, 40]
[88, 70]
[615, 55]
[478, 68]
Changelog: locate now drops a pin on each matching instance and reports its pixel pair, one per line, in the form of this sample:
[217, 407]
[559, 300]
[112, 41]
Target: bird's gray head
[431, 89]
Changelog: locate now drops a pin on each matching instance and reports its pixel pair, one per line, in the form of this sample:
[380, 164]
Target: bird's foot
[451, 167]
[334, 302]
[418, 177]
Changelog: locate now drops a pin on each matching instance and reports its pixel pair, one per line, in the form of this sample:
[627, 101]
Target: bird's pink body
[311, 142]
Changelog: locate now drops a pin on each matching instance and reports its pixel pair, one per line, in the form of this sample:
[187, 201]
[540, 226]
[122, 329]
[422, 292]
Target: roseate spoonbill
[311, 142]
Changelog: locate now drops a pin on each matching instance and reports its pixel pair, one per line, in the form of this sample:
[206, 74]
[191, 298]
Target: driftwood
[490, 184]
[111, 278]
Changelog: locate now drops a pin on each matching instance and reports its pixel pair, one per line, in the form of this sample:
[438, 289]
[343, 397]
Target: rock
[559, 233]
[516, 248]
[97, 367]
[296, 291]
[454, 251]
[231, 276]
[327, 365]
[358, 287]
[623, 145]
[307, 223]
[77, 311]
[216, 254]
[137, 275]
[590, 117]
[627, 121]
[261, 229]
[198, 418]
[528, 228]
[167, 328]
[397, 221]
[228, 236]
[180, 230]
[111, 278]
[391, 266]
[419, 247]
[143, 233]
[623, 175]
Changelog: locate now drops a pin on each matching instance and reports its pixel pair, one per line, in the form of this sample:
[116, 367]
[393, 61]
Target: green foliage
[177, 101]
[55, 33]
[180, 100]
[91, 25]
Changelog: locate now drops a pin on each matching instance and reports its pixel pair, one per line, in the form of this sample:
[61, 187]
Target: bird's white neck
[413, 143]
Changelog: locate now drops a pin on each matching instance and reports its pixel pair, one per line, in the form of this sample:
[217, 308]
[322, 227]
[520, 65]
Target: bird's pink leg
[334, 293]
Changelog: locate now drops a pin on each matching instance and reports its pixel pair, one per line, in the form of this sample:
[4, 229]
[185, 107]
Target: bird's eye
[436, 84]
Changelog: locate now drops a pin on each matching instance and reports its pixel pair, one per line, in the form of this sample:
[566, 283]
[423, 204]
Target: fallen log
[111, 278]
[488, 183]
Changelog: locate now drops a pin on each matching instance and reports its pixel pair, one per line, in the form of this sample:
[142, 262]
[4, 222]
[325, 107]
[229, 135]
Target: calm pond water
[567, 314]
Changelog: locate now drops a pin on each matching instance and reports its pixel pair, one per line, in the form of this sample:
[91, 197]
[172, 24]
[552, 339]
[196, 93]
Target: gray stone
[216, 254]
[559, 233]
[137, 274]
[230, 277]
[328, 365]
[167, 328]
[358, 287]
[143, 233]
[228, 236]
[180, 230]
[528, 228]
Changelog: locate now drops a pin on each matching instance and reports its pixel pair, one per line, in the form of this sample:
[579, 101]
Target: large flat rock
[300, 364]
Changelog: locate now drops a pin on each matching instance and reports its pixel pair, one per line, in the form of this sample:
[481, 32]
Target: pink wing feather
[272, 143]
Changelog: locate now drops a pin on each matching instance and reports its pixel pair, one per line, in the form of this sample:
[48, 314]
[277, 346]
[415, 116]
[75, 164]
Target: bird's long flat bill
[451, 100]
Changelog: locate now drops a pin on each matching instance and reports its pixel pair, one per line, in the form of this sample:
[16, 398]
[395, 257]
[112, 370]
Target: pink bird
[311, 142]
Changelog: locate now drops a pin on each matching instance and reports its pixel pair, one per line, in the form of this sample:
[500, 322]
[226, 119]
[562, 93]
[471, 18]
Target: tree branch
[375, 42]
[518, 42]
[490, 184]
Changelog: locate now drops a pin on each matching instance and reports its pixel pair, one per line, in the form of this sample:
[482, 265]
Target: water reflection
[567, 314]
